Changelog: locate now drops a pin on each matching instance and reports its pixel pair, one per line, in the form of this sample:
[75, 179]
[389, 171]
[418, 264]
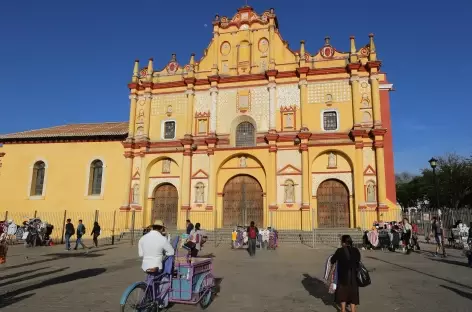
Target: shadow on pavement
[217, 288]
[420, 272]
[13, 275]
[29, 277]
[11, 297]
[459, 292]
[58, 256]
[460, 263]
[318, 289]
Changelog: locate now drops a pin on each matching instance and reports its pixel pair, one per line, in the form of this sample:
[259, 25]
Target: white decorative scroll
[153, 182]
[202, 102]
[213, 109]
[339, 89]
[318, 178]
[288, 95]
[272, 89]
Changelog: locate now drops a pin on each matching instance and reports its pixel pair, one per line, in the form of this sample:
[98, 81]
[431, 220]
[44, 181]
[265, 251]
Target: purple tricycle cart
[183, 280]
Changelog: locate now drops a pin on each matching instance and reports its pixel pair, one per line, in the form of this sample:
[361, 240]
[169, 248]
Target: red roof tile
[72, 131]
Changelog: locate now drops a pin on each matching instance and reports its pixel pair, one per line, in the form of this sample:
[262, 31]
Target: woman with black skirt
[347, 258]
[96, 233]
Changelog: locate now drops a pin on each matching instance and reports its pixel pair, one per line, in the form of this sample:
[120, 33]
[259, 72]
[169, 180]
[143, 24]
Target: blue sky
[70, 61]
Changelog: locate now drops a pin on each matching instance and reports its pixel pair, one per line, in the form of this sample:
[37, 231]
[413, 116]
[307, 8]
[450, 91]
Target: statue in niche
[328, 98]
[140, 118]
[166, 166]
[199, 192]
[289, 191]
[371, 193]
[169, 110]
[136, 194]
[332, 160]
[242, 162]
[140, 131]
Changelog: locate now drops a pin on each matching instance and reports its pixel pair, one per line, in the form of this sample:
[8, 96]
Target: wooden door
[242, 202]
[333, 205]
[165, 206]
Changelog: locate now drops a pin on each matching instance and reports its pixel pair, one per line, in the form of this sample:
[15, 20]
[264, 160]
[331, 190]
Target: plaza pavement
[288, 279]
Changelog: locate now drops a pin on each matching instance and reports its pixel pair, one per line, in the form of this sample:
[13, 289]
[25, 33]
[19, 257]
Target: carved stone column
[132, 115]
[272, 110]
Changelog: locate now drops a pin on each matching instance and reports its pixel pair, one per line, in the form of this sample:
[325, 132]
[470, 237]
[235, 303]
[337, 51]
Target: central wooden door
[165, 206]
[242, 202]
[333, 205]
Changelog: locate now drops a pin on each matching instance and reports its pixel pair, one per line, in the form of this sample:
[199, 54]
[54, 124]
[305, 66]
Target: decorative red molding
[379, 144]
[209, 208]
[271, 137]
[358, 133]
[190, 81]
[353, 66]
[194, 176]
[296, 170]
[302, 71]
[2, 154]
[185, 207]
[164, 176]
[373, 64]
[273, 207]
[214, 78]
[359, 145]
[271, 73]
[202, 114]
[323, 172]
[378, 131]
[304, 135]
[305, 207]
[369, 171]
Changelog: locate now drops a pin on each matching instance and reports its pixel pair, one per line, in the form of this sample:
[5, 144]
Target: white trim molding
[322, 119]
[46, 173]
[87, 179]
[318, 178]
[386, 86]
[154, 182]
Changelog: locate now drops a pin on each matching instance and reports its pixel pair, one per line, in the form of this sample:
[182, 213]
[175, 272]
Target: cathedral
[254, 130]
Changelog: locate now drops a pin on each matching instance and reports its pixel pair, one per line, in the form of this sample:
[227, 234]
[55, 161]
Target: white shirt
[151, 248]
[193, 235]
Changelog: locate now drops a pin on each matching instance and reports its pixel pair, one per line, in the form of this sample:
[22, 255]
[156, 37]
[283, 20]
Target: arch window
[96, 175]
[245, 134]
[37, 182]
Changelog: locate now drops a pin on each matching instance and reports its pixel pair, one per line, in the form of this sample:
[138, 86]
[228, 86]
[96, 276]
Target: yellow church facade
[253, 131]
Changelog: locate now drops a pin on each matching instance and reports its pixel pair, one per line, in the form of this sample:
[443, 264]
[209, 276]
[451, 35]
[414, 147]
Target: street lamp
[433, 162]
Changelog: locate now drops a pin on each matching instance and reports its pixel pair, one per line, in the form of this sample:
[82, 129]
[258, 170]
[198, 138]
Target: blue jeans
[67, 237]
[79, 242]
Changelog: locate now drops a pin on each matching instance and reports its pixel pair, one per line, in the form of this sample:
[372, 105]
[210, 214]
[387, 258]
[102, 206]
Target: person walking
[3, 242]
[189, 226]
[437, 231]
[252, 232]
[80, 233]
[347, 258]
[68, 233]
[195, 240]
[96, 233]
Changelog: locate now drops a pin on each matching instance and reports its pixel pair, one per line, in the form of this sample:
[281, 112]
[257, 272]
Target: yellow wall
[66, 180]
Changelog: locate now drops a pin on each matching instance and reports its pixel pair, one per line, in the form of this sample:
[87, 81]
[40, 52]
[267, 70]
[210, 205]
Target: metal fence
[449, 216]
[294, 227]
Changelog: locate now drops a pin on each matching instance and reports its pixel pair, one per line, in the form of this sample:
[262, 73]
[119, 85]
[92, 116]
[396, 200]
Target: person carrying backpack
[252, 232]
[68, 233]
[80, 233]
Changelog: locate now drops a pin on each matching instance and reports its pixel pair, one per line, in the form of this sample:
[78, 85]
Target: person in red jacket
[252, 232]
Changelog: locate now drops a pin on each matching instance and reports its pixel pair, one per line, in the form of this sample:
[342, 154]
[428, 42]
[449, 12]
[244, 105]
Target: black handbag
[362, 276]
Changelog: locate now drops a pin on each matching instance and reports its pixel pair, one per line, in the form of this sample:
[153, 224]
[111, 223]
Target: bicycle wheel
[138, 299]
[207, 286]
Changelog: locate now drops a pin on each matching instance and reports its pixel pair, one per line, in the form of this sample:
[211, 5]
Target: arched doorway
[165, 205]
[333, 205]
[242, 201]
